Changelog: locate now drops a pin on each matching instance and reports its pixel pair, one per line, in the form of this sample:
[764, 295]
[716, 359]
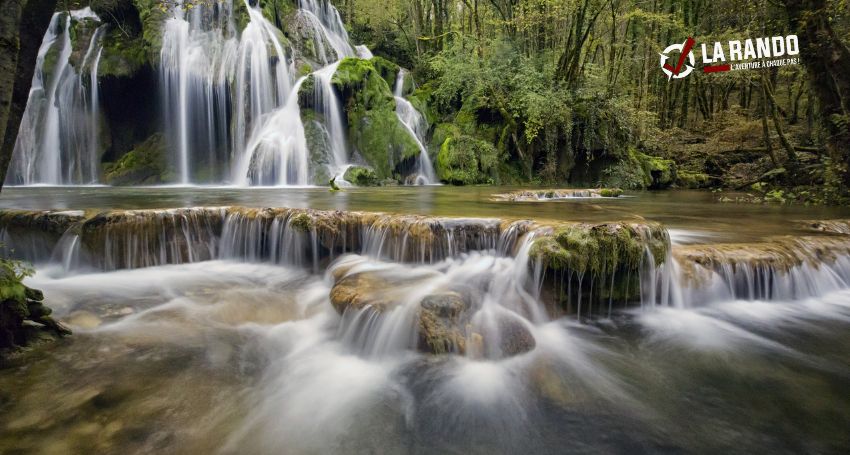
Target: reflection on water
[230, 357]
[692, 210]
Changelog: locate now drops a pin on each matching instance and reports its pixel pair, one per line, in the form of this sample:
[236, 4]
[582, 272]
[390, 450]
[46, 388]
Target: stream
[241, 350]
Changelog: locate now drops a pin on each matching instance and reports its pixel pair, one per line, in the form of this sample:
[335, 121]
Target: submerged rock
[361, 176]
[443, 320]
[442, 324]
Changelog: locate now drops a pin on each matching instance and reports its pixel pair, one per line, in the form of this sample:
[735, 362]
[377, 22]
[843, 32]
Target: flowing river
[230, 329]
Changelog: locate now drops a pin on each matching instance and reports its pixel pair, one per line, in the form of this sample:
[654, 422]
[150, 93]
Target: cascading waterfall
[58, 142]
[328, 103]
[330, 26]
[342, 323]
[415, 124]
[276, 153]
[211, 79]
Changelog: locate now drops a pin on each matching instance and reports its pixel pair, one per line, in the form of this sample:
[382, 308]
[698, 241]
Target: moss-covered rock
[145, 164]
[465, 160]
[387, 69]
[598, 262]
[18, 304]
[122, 56]
[374, 130]
[687, 179]
[637, 170]
[361, 176]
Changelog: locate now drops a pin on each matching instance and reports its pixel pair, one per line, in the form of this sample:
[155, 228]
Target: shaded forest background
[554, 91]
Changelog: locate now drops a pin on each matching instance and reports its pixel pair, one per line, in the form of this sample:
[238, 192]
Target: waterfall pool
[242, 354]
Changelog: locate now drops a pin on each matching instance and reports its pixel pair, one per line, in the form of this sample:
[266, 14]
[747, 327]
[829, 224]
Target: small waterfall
[330, 25]
[328, 102]
[57, 142]
[415, 124]
[276, 153]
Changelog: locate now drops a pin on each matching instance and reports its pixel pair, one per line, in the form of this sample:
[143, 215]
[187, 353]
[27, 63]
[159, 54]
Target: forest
[555, 91]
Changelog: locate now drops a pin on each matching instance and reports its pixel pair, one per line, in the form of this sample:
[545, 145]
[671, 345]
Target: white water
[57, 143]
[309, 380]
[211, 79]
[327, 102]
[416, 126]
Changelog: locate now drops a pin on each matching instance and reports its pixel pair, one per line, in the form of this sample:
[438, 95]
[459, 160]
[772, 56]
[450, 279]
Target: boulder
[442, 324]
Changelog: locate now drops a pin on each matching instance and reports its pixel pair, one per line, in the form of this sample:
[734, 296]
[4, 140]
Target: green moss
[658, 172]
[122, 56]
[687, 179]
[19, 303]
[374, 130]
[464, 160]
[387, 69]
[638, 170]
[610, 192]
[361, 86]
[301, 222]
[361, 176]
[381, 139]
[601, 249]
[145, 164]
[277, 11]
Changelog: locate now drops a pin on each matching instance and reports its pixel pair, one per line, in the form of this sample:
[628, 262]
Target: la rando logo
[732, 55]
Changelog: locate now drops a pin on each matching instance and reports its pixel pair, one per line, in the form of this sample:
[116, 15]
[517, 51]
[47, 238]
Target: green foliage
[464, 160]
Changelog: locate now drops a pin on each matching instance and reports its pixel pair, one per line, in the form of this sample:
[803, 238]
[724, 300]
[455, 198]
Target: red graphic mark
[716, 68]
[689, 43]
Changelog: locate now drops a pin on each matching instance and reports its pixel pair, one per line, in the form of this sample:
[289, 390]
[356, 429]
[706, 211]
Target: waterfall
[416, 126]
[329, 25]
[57, 143]
[328, 102]
[212, 79]
[276, 153]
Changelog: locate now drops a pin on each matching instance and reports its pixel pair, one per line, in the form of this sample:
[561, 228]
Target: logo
[745, 54]
[684, 53]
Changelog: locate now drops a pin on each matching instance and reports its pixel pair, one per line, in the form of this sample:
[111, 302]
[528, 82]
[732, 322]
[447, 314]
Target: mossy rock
[145, 164]
[277, 11]
[387, 69]
[465, 160]
[361, 176]
[687, 179]
[382, 141]
[122, 56]
[658, 172]
[374, 130]
[601, 249]
[361, 85]
[19, 305]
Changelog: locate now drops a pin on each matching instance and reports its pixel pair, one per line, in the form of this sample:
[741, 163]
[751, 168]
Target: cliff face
[22, 25]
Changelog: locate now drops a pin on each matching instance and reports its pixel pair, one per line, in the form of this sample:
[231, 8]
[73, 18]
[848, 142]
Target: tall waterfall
[212, 79]
[58, 142]
[231, 105]
[416, 126]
